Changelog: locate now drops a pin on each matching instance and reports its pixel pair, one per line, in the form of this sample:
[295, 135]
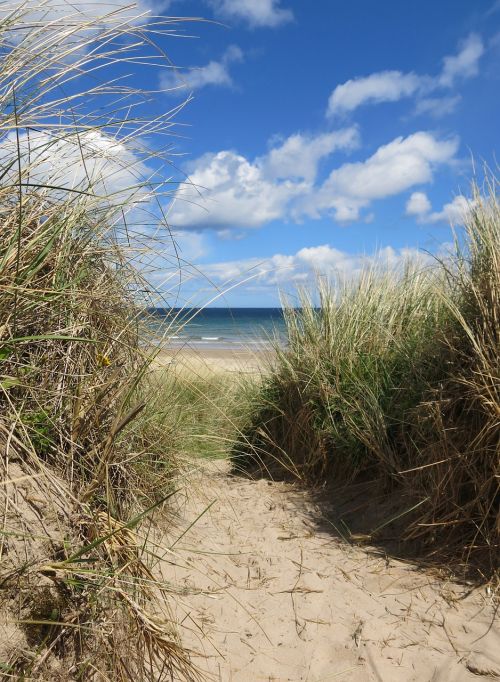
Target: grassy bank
[78, 597]
[394, 379]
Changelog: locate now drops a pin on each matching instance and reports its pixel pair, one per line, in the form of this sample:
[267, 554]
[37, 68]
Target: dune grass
[394, 378]
[78, 598]
[194, 410]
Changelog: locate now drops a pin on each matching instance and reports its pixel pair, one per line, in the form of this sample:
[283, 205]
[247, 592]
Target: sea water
[220, 328]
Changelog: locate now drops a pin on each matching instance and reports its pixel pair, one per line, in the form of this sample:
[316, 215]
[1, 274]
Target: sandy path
[268, 597]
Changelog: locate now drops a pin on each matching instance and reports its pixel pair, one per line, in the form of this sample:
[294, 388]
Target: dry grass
[78, 600]
[395, 379]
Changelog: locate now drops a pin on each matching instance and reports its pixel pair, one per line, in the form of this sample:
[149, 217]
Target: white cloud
[306, 264]
[214, 73]
[228, 191]
[90, 162]
[258, 13]
[236, 193]
[385, 86]
[391, 86]
[394, 168]
[418, 204]
[298, 156]
[437, 106]
[453, 213]
[191, 246]
[465, 64]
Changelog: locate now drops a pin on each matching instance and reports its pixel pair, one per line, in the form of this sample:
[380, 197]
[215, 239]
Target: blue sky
[321, 133]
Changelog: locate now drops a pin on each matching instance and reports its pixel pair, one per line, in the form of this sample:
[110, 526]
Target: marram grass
[76, 586]
[394, 378]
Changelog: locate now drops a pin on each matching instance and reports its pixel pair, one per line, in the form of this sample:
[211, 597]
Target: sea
[219, 328]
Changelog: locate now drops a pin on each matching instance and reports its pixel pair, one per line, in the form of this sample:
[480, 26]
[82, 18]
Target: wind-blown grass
[394, 378]
[75, 172]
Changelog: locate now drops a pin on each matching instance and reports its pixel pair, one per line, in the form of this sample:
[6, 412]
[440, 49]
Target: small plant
[40, 430]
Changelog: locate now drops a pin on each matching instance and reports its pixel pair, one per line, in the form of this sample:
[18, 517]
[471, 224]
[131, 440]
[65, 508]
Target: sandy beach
[199, 360]
[270, 592]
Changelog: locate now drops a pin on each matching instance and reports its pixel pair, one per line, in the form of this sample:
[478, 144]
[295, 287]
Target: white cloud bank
[257, 13]
[215, 73]
[391, 86]
[453, 213]
[306, 264]
[230, 192]
[394, 168]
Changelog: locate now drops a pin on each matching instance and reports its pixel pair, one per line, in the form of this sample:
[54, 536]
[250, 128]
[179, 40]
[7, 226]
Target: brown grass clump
[394, 379]
[77, 597]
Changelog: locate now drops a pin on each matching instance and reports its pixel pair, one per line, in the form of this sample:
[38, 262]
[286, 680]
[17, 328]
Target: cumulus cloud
[418, 204]
[298, 156]
[393, 168]
[214, 73]
[228, 191]
[90, 162]
[385, 86]
[257, 13]
[306, 264]
[452, 213]
[391, 86]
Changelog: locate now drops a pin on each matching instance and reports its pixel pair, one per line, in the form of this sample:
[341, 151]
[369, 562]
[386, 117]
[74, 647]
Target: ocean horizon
[220, 328]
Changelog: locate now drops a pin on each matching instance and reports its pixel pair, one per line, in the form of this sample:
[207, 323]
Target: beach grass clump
[393, 377]
[78, 598]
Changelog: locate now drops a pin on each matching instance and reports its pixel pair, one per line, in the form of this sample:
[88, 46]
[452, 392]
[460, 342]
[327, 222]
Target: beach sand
[199, 360]
[268, 595]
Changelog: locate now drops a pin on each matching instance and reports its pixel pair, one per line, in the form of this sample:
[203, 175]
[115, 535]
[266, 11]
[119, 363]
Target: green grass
[394, 378]
[193, 411]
